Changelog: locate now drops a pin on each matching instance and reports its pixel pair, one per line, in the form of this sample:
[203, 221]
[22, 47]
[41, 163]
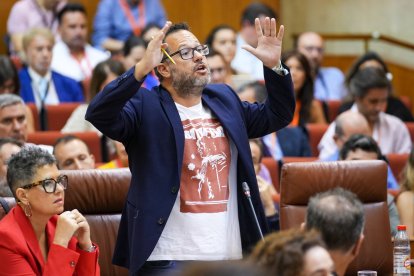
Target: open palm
[269, 45]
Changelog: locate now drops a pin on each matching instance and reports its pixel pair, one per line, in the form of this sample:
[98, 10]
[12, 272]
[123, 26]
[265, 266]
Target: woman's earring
[27, 210]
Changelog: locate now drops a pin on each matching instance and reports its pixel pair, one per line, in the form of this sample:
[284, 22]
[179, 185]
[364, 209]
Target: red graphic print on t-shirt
[204, 176]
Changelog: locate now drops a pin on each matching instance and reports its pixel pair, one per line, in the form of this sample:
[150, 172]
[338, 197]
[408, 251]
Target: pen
[168, 56]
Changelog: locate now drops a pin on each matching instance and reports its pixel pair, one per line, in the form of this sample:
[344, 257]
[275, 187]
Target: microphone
[246, 191]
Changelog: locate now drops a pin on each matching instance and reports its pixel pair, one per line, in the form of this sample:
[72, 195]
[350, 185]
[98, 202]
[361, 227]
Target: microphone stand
[246, 191]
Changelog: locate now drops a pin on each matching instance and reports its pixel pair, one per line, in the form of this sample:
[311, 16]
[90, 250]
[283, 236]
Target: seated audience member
[13, 123]
[362, 147]
[244, 61]
[104, 73]
[122, 158]
[8, 147]
[72, 55]
[115, 21]
[328, 81]
[133, 52]
[150, 30]
[343, 212]
[72, 153]
[222, 39]
[217, 66]
[371, 88]
[29, 14]
[308, 110]
[37, 236]
[10, 84]
[394, 105]
[406, 198]
[268, 193]
[293, 252]
[345, 125]
[289, 141]
[39, 84]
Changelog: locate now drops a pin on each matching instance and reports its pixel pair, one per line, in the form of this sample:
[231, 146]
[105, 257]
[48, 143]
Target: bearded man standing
[189, 154]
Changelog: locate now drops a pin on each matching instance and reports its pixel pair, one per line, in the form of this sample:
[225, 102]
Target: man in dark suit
[188, 148]
[39, 84]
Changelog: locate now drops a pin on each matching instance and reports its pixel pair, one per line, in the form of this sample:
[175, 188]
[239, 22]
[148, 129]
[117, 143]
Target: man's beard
[188, 84]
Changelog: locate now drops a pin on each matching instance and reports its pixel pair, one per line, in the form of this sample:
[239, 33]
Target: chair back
[100, 196]
[367, 179]
[57, 115]
[316, 132]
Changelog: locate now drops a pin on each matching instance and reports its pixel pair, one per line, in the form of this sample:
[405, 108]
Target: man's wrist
[280, 70]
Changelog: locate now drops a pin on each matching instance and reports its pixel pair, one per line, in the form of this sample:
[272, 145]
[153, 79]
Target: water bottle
[401, 252]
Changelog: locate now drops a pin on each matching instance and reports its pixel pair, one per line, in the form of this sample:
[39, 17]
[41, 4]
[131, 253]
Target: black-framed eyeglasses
[49, 184]
[188, 53]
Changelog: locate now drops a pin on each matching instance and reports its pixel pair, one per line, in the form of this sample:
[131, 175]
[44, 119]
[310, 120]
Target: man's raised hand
[269, 42]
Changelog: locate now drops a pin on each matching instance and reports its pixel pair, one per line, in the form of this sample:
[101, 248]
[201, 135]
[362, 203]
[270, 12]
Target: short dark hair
[254, 10]
[362, 142]
[212, 35]
[182, 26]
[22, 166]
[132, 42]
[260, 91]
[366, 79]
[339, 216]
[66, 139]
[70, 7]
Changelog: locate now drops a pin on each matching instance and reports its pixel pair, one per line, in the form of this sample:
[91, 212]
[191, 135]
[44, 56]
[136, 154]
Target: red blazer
[20, 251]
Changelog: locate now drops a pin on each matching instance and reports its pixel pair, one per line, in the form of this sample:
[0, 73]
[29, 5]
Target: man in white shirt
[244, 61]
[329, 81]
[73, 56]
[371, 89]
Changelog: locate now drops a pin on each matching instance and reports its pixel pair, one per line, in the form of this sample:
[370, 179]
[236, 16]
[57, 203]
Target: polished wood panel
[202, 15]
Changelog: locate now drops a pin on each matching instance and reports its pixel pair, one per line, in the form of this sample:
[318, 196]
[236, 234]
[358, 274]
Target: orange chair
[35, 114]
[410, 126]
[49, 138]
[397, 162]
[57, 115]
[333, 109]
[316, 131]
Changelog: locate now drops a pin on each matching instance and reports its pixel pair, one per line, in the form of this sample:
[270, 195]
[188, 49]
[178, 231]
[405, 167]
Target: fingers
[258, 28]
[267, 27]
[273, 27]
[281, 32]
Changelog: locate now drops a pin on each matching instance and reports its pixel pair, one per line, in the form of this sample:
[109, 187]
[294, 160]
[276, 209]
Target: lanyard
[43, 15]
[136, 25]
[84, 64]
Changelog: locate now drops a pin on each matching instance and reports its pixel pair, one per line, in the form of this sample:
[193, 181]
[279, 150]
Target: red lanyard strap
[136, 25]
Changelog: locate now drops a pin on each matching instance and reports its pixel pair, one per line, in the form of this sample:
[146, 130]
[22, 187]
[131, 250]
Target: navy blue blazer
[67, 89]
[149, 125]
[293, 141]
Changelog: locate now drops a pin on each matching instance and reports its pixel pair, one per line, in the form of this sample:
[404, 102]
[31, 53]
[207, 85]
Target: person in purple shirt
[116, 20]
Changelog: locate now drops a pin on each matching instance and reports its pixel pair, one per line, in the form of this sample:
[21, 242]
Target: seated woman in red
[37, 237]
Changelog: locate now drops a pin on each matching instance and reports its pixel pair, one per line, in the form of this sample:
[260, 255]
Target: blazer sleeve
[278, 110]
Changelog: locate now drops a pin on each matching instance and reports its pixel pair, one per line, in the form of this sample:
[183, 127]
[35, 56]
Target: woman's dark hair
[132, 42]
[361, 60]
[305, 93]
[212, 35]
[9, 72]
[101, 72]
[362, 142]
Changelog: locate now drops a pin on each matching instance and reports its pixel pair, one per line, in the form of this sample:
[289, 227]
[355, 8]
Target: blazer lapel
[173, 116]
[30, 237]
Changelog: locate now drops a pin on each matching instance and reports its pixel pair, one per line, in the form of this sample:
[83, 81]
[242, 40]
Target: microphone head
[245, 187]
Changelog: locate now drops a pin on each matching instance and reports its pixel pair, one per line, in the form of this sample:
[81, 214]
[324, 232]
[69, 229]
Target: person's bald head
[348, 124]
[311, 45]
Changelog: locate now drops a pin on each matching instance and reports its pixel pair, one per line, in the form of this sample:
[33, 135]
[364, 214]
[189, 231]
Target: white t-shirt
[204, 222]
